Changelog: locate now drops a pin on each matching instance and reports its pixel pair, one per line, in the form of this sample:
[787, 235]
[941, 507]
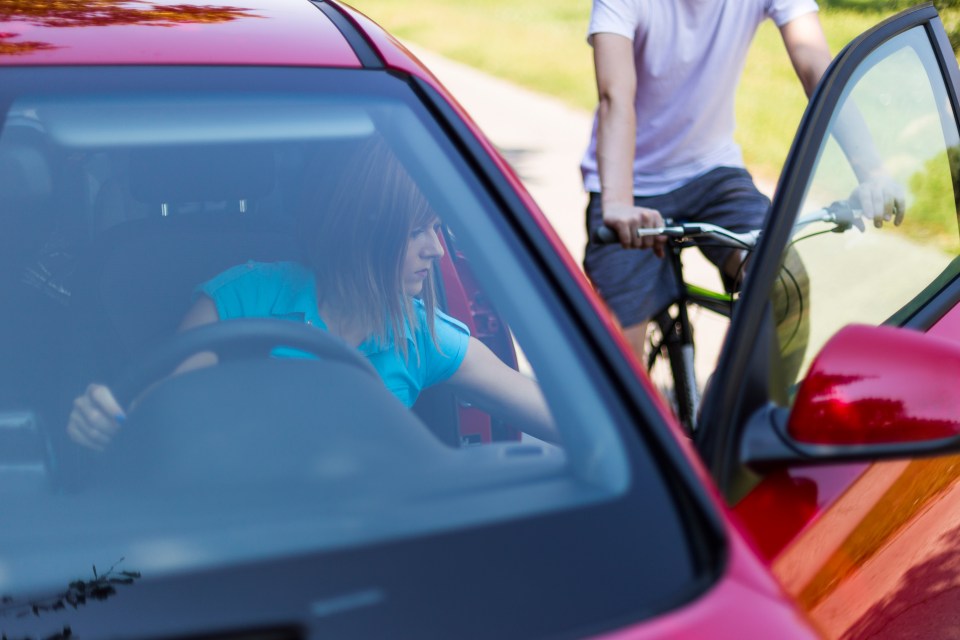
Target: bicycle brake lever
[845, 216]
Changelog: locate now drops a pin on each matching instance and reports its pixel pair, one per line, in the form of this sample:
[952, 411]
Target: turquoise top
[287, 290]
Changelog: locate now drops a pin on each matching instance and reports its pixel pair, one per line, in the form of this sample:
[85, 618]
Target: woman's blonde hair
[356, 239]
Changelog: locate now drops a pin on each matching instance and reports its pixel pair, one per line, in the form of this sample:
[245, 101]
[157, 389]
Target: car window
[896, 111]
[129, 195]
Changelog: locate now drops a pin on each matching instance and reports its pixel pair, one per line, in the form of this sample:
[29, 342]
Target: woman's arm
[96, 415]
[486, 381]
[203, 311]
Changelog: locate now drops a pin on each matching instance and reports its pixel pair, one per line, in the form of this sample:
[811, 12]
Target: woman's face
[423, 248]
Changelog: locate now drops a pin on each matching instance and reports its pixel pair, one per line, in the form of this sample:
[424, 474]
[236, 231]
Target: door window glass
[894, 125]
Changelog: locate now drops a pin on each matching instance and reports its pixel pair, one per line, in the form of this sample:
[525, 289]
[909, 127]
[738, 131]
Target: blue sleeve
[452, 338]
[240, 291]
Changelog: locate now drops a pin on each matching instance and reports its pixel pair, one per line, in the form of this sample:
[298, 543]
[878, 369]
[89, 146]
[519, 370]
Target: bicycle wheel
[670, 365]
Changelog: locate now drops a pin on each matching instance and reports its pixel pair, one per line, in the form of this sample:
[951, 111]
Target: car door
[452, 420]
[864, 545]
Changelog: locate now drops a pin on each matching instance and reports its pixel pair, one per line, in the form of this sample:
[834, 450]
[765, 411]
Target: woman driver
[368, 279]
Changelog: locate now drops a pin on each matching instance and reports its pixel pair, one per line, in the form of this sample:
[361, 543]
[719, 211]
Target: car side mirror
[879, 385]
[871, 393]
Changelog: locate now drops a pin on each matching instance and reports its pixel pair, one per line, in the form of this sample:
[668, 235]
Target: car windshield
[130, 196]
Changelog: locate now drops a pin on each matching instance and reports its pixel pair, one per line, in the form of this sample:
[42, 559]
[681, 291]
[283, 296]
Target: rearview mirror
[871, 393]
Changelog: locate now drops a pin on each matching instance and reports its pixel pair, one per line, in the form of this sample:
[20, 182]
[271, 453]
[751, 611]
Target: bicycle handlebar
[681, 230]
[839, 213]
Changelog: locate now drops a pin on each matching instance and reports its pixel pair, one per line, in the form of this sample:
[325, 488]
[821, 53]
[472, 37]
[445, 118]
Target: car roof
[249, 32]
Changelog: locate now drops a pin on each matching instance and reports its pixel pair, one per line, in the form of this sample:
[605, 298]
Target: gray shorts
[634, 282]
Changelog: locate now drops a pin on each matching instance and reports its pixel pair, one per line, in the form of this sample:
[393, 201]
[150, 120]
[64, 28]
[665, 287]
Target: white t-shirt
[689, 56]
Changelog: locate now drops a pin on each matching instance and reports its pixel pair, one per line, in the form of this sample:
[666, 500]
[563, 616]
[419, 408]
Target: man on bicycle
[662, 143]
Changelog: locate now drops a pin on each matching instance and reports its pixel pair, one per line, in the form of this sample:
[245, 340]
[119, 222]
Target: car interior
[107, 246]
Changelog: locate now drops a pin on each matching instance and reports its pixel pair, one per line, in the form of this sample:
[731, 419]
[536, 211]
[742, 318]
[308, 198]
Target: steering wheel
[235, 339]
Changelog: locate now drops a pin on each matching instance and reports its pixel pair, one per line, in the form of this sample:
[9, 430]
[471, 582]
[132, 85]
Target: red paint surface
[871, 549]
[948, 327]
[786, 502]
[744, 603]
[251, 32]
[879, 385]
[872, 384]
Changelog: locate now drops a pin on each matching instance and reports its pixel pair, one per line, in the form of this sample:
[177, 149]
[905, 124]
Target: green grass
[770, 100]
[541, 45]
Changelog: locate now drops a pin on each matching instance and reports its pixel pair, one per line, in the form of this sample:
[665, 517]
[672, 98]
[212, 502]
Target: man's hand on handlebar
[625, 219]
[881, 198]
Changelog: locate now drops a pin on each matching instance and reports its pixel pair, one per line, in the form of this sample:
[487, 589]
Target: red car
[273, 157]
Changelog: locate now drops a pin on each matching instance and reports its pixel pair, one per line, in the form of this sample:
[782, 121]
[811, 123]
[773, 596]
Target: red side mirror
[879, 385]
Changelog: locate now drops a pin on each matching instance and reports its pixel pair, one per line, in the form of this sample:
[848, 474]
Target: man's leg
[735, 267]
[637, 337]
[634, 283]
[730, 199]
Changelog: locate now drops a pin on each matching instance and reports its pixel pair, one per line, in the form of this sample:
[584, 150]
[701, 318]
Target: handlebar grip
[843, 213]
[605, 235]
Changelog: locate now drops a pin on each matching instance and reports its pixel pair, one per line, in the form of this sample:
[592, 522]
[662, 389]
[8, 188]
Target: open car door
[834, 411]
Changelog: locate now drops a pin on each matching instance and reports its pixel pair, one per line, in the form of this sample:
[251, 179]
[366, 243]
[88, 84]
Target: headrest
[201, 174]
[24, 173]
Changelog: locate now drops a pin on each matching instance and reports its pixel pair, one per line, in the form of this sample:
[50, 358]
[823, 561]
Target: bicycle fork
[678, 338]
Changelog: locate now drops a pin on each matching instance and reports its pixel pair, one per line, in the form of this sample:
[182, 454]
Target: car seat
[31, 322]
[136, 280]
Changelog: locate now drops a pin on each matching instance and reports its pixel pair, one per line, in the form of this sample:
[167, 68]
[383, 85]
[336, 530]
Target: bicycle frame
[676, 330]
[676, 334]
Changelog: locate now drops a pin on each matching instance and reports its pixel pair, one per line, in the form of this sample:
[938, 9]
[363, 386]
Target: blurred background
[524, 72]
[540, 45]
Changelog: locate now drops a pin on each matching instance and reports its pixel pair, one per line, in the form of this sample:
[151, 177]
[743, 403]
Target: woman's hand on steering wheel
[237, 338]
[95, 418]
[98, 413]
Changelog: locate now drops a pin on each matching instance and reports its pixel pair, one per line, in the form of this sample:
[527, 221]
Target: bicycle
[671, 339]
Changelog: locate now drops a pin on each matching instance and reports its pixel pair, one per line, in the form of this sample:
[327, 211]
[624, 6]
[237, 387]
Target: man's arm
[616, 141]
[880, 197]
[807, 47]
